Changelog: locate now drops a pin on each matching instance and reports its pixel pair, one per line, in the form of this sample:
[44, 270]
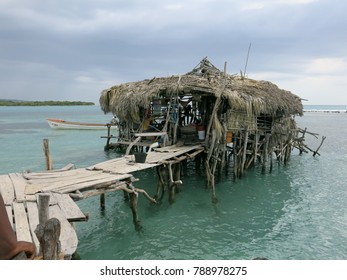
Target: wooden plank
[21, 222]
[87, 181]
[69, 207]
[6, 189]
[19, 184]
[53, 174]
[47, 185]
[83, 186]
[148, 134]
[63, 175]
[100, 165]
[68, 237]
[157, 157]
[125, 166]
[33, 216]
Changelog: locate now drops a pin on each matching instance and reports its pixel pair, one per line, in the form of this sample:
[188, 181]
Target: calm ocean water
[297, 212]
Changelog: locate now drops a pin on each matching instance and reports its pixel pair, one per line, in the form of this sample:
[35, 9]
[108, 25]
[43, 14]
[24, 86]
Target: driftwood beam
[316, 152]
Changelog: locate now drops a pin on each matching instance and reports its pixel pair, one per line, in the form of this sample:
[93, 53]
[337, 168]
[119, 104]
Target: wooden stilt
[265, 153]
[107, 146]
[161, 183]
[245, 141]
[271, 160]
[174, 181]
[49, 165]
[235, 148]
[133, 206]
[256, 146]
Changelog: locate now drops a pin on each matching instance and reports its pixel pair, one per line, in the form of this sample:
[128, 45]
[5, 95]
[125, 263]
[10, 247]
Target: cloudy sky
[73, 49]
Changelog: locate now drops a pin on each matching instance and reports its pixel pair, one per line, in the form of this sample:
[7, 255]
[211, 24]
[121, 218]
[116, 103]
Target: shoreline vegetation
[44, 103]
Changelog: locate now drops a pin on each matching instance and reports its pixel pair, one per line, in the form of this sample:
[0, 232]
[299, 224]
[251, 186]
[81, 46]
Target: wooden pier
[21, 191]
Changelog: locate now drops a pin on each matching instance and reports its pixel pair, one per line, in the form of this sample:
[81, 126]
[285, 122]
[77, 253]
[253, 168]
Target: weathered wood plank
[84, 181]
[19, 184]
[68, 236]
[6, 189]
[147, 134]
[157, 157]
[33, 216]
[69, 207]
[54, 174]
[35, 186]
[97, 182]
[100, 165]
[21, 222]
[126, 166]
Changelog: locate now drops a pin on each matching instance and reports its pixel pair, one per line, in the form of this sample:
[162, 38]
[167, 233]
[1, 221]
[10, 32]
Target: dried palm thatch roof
[243, 94]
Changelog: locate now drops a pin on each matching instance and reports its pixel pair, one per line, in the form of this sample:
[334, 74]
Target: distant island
[4, 102]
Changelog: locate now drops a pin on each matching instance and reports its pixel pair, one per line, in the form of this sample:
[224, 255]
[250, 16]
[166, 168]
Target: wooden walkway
[20, 191]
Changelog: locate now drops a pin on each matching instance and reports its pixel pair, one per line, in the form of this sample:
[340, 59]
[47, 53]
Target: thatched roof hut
[242, 94]
[258, 114]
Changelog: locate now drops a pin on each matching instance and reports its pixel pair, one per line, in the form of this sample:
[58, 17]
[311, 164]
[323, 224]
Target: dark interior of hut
[183, 117]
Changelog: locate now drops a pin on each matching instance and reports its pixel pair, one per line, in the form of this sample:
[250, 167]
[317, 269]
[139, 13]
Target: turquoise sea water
[297, 212]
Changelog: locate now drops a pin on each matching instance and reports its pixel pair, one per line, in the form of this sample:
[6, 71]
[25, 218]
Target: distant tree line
[43, 103]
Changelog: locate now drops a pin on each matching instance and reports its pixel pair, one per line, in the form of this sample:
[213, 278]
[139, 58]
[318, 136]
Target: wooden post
[235, 151]
[49, 165]
[160, 186]
[265, 152]
[174, 180]
[108, 136]
[133, 206]
[271, 160]
[256, 146]
[43, 205]
[48, 234]
[245, 142]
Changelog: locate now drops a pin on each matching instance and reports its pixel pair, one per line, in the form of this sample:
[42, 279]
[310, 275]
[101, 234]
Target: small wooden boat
[62, 124]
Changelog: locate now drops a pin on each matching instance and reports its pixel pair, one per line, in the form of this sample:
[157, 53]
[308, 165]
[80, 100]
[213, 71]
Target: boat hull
[61, 124]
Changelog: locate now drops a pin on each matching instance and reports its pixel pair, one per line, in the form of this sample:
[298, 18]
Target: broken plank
[69, 207]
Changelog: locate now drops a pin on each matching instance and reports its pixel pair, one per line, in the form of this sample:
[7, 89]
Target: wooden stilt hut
[228, 114]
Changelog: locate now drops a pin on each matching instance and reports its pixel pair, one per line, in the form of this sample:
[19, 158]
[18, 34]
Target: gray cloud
[71, 50]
